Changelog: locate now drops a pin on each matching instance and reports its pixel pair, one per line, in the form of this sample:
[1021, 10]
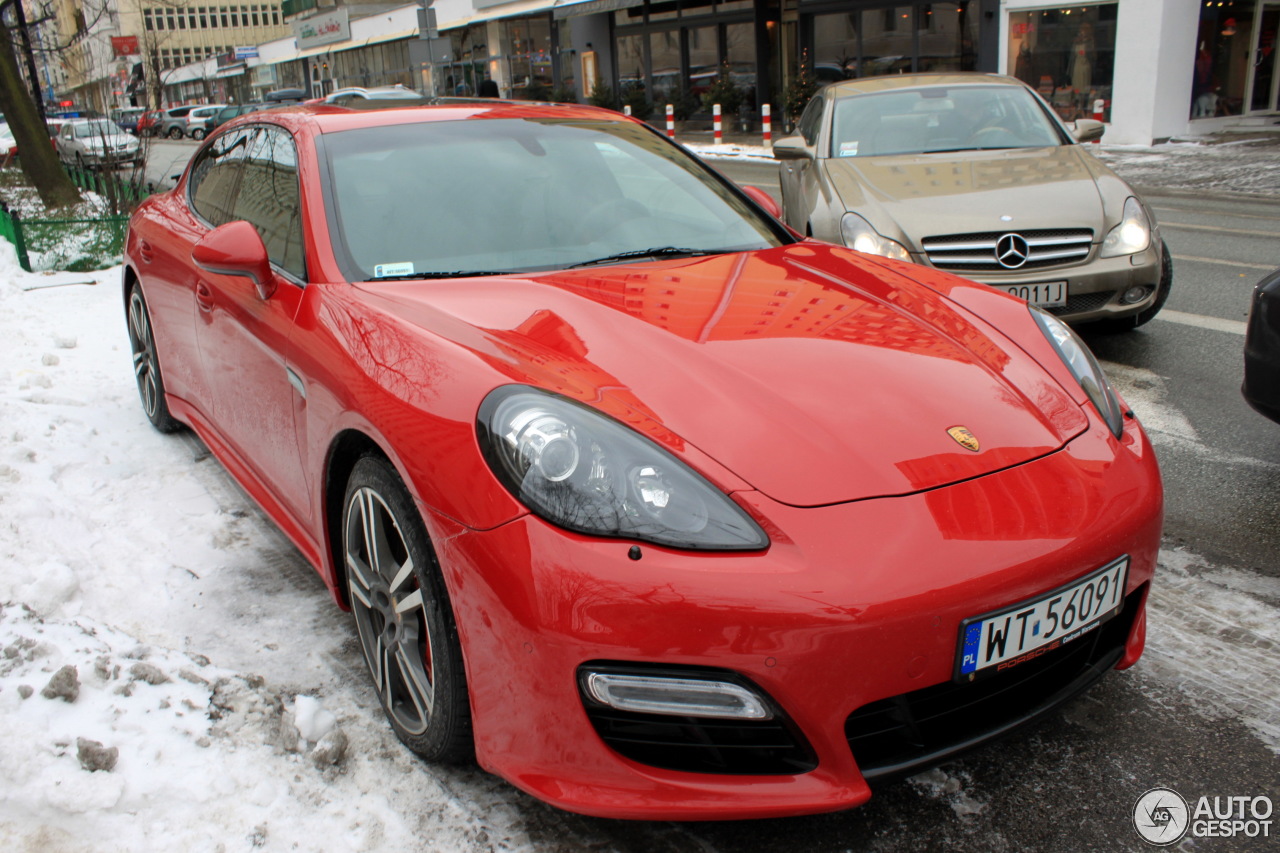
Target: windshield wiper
[656, 252]
[451, 274]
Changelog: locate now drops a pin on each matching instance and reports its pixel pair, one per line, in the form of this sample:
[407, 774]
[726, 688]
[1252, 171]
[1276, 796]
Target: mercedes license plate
[999, 641]
[1050, 294]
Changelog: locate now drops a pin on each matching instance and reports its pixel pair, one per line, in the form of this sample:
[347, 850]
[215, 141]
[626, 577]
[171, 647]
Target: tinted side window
[811, 121]
[269, 198]
[216, 175]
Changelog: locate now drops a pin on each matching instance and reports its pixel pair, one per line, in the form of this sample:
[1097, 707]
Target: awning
[352, 44]
[575, 8]
[230, 71]
[506, 10]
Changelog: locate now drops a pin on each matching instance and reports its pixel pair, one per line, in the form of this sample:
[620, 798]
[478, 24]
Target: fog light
[1135, 294]
[684, 697]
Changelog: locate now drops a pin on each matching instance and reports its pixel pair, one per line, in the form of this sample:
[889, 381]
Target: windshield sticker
[387, 270]
[849, 149]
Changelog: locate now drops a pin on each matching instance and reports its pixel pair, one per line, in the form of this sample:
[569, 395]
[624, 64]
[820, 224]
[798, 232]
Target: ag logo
[964, 438]
[1161, 816]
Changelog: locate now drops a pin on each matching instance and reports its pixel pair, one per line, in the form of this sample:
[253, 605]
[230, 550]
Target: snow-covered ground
[168, 664]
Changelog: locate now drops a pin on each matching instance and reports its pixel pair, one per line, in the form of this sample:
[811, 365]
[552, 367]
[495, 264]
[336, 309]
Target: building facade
[1153, 69]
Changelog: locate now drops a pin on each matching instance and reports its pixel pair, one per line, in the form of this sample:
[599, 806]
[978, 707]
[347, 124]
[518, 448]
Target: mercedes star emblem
[1012, 251]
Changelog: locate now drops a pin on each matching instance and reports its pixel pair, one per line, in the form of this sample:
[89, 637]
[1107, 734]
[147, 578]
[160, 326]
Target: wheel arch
[346, 449]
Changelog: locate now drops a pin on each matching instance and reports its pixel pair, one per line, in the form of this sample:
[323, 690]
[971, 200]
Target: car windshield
[96, 128]
[940, 118]
[486, 196]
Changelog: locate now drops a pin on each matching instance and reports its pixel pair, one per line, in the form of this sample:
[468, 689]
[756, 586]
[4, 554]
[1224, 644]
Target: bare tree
[38, 159]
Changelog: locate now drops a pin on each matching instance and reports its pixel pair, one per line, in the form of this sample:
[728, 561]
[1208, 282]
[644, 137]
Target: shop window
[704, 59]
[1224, 55]
[1067, 55]
[740, 56]
[835, 47]
[664, 50]
[630, 61]
[887, 42]
[948, 36]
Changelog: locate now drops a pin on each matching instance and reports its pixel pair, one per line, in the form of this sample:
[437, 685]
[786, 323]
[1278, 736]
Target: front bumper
[1094, 287]
[852, 606]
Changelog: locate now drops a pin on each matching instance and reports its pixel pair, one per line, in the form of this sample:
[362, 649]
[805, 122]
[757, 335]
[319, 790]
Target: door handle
[204, 296]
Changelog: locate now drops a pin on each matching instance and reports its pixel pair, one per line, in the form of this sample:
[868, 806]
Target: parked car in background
[382, 96]
[127, 118]
[974, 174]
[147, 122]
[231, 111]
[96, 142]
[723, 522]
[197, 120]
[172, 123]
[1262, 348]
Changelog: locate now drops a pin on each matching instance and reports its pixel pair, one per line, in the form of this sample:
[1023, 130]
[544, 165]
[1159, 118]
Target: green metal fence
[75, 244]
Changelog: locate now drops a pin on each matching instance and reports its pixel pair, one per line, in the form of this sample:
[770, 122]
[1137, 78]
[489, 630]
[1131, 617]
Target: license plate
[1052, 294]
[999, 641]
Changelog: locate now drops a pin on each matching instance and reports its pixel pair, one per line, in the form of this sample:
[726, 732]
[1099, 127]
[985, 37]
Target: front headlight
[583, 471]
[859, 235]
[1080, 361]
[1132, 235]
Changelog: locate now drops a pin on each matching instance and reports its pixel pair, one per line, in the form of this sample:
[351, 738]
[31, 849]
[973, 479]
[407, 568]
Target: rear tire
[403, 616]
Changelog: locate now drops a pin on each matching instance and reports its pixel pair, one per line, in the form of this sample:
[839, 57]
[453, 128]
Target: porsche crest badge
[964, 438]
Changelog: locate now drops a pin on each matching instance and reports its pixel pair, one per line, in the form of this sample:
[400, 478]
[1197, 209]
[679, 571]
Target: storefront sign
[264, 75]
[242, 53]
[325, 28]
[124, 45]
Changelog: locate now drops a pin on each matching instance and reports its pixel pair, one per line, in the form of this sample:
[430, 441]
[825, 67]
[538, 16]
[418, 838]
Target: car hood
[923, 195]
[810, 374]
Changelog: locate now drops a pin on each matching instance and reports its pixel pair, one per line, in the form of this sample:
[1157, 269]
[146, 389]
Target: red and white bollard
[766, 119]
[715, 113]
[1099, 105]
[671, 121]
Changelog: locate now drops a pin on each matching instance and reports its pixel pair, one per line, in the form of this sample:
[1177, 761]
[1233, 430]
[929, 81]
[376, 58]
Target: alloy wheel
[390, 610]
[145, 369]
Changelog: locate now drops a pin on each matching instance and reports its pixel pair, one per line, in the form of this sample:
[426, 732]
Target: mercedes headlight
[583, 471]
[1080, 361]
[1132, 235]
[859, 235]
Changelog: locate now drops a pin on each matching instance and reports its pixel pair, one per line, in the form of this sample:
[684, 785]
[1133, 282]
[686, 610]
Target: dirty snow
[169, 666]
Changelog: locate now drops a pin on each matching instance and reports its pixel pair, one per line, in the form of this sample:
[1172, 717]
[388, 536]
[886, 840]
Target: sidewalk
[1242, 163]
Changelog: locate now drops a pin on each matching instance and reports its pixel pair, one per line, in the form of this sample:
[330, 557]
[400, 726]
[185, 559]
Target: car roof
[329, 118]
[891, 82]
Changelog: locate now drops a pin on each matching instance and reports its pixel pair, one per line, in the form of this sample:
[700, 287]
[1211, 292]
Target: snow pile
[172, 675]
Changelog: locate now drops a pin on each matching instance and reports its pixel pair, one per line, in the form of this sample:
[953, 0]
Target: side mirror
[763, 199]
[791, 148]
[236, 249]
[1088, 130]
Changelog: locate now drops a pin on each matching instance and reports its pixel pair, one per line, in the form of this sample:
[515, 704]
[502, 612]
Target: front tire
[146, 364]
[403, 617]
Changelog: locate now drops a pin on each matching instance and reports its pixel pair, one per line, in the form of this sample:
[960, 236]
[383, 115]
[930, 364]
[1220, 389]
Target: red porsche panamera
[656, 508]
